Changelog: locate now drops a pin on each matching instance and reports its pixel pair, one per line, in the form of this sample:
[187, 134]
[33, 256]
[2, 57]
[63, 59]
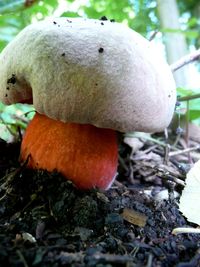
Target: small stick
[185, 230]
[166, 155]
[187, 130]
[188, 97]
[153, 35]
[177, 181]
[175, 153]
[112, 258]
[29, 3]
[21, 256]
[122, 163]
[149, 260]
[185, 60]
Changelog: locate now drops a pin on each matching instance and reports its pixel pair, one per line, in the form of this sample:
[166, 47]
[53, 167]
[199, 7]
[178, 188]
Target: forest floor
[46, 221]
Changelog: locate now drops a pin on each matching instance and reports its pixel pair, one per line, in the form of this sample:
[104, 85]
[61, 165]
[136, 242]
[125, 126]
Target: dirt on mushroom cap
[115, 75]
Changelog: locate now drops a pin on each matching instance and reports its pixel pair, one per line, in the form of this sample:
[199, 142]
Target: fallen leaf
[190, 198]
[134, 217]
[28, 237]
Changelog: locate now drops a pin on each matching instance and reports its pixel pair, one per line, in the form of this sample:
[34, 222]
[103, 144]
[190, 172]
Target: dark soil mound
[46, 221]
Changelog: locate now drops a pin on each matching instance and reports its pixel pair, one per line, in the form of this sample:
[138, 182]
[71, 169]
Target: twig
[175, 153]
[153, 35]
[188, 97]
[185, 230]
[122, 163]
[21, 256]
[166, 155]
[176, 180]
[187, 130]
[29, 3]
[185, 60]
[99, 257]
[149, 260]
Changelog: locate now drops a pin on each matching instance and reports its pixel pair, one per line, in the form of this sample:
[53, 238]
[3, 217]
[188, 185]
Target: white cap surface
[91, 72]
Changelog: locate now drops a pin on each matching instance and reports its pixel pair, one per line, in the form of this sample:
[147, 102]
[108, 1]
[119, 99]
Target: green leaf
[194, 104]
[186, 92]
[70, 14]
[194, 114]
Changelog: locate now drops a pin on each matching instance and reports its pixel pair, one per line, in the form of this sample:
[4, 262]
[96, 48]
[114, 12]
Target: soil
[46, 221]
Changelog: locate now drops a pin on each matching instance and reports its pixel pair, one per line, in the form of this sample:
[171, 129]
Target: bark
[175, 42]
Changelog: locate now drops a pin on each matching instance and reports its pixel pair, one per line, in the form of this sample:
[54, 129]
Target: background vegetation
[141, 15]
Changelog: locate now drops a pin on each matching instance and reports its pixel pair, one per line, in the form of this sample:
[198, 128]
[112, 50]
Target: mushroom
[86, 80]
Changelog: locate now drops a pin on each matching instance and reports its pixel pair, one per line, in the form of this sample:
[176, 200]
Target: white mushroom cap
[91, 72]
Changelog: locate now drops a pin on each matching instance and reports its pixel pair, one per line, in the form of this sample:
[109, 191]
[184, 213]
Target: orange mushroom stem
[84, 154]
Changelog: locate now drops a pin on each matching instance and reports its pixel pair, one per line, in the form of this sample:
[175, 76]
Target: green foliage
[194, 104]
[190, 10]
[8, 6]
[139, 15]
[13, 118]
[118, 10]
[14, 16]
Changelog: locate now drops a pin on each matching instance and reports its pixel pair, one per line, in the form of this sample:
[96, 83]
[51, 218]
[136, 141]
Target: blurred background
[174, 25]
